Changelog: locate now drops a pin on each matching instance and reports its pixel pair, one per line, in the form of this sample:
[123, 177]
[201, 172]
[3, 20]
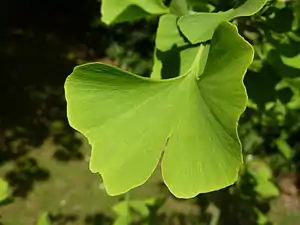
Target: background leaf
[116, 11]
[3, 189]
[173, 55]
[44, 220]
[208, 22]
[179, 7]
[262, 174]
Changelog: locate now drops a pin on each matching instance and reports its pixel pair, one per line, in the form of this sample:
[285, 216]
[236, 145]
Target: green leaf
[284, 147]
[130, 120]
[173, 55]
[262, 174]
[200, 27]
[201, 5]
[259, 168]
[3, 189]
[140, 207]
[176, 62]
[261, 218]
[121, 220]
[179, 7]
[168, 33]
[293, 61]
[116, 11]
[295, 83]
[123, 211]
[266, 189]
[44, 220]
[122, 208]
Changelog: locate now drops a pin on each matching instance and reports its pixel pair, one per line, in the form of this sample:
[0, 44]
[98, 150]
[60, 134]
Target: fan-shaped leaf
[130, 120]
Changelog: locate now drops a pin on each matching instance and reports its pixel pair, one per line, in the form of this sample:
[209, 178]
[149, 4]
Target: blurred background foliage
[45, 162]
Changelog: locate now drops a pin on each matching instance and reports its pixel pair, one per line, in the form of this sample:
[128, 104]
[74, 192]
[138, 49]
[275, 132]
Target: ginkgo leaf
[173, 55]
[200, 27]
[168, 33]
[3, 189]
[130, 121]
[115, 11]
[179, 7]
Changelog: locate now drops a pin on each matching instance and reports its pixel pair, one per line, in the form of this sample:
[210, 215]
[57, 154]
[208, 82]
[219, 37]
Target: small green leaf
[123, 211]
[284, 148]
[261, 218]
[295, 84]
[266, 189]
[169, 49]
[179, 7]
[122, 208]
[177, 61]
[3, 189]
[201, 5]
[200, 27]
[168, 33]
[121, 220]
[130, 120]
[116, 11]
[173, 55]
[140, 207]
[259, 168]
[293, 61]
[262, 174]
[44, 220]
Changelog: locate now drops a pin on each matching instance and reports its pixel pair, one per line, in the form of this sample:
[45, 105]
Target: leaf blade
[114, 11]
[128, 120]
[3, 189]
[144, 90]
[208, 22]
[218, 111]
